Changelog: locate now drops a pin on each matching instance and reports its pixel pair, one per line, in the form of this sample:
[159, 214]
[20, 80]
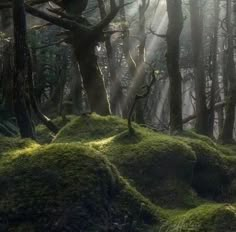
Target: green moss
[69, 186]
[193, 135]
[89, 128]
[44, 135]
[229, 150]
[214, 171]
[205, 218]
[159, 161]
[179, 164]
[12, 144]
[175, 167]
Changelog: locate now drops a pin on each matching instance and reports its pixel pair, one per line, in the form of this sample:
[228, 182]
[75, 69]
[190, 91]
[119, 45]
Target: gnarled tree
[83, 37]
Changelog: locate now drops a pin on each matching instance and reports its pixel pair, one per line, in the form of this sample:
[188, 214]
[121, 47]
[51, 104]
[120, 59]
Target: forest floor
[95, 176]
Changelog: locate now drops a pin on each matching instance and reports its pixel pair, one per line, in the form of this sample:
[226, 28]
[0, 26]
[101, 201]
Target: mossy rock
[178, 168]
[89, 128]
[44, 135]
[193, 135]
[65, 187]
[205, 218]
[213, 173]
[155, 160]
[8, 144]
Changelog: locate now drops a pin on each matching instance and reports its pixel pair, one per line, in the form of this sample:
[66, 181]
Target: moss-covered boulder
[205, 218]
[63, 187]
[159, 161]
[90, 128]
[213, 173]
[159, 166]
[8, 144]
[173, 168]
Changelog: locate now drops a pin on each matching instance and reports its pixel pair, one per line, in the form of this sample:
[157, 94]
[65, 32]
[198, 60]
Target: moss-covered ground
[95, 176]
[44, 135]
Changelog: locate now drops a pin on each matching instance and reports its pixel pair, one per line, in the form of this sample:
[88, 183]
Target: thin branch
[151, 31]
[138, 97]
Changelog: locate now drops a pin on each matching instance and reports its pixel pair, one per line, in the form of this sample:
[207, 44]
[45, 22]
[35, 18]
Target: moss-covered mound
[44, 135]
[12, 144]
[213, 172]
[90, 128]
[160, 167]
[64, 187]
[205, 218]
[169, 170]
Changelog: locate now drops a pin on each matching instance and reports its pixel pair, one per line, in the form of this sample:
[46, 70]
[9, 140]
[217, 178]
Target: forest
[118, 116]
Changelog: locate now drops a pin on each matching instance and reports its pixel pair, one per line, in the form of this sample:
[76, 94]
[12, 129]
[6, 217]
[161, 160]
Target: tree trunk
[92, 77]
[21, 106]
[84, 46]
[140, 71]
[127, 103]
[228, 128]
[175, 26]
[76, 88]
[116, 95]
[214, 68]
[201, 125]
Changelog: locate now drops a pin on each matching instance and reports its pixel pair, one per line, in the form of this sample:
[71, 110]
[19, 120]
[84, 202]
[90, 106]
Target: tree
[21, 103]
[214, 70]
[228, 128]
[175, 26]
[116, 95]
[83, 37]
[196, 16]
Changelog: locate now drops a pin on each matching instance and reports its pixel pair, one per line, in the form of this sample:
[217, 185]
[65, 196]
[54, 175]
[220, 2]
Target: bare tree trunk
[92, 77]
[62, 82]
[127, 103]
[76, 88]
[136, 66]
[33, 102]
[116, 95]
[214, 68]
[201, 125]
[227, 132]
[175, 26]
[21, 106]
[140, 70]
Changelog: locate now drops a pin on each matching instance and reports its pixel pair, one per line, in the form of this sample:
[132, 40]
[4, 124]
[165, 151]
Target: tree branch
[65, 23]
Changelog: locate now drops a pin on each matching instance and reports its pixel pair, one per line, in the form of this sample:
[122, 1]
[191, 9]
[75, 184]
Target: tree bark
[228, 128]
[196, 16]
[214, 70]
[175, 26]
[21, 105]
[92, 76]
[116, 95]
[76, 88]
[140, 70]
